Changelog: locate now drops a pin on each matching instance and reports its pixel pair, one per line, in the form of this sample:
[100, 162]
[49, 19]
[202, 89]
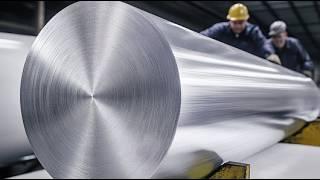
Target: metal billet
[13, 139]
[95, 99]
[110, 91]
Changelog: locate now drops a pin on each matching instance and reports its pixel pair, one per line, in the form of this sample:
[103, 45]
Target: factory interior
[160, 89]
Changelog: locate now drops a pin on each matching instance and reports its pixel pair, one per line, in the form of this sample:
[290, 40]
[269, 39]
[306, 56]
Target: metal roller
[233, 104]
[13, 140]
[107, 88]
[95, 99]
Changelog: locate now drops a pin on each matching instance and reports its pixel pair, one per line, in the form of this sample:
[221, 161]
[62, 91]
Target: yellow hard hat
[238, 12]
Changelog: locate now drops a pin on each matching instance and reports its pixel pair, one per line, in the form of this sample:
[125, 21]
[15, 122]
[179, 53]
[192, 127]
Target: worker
[238, 32]
[290, 51]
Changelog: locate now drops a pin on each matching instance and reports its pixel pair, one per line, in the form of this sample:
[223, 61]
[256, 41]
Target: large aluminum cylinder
[108, 91]
[13, 140]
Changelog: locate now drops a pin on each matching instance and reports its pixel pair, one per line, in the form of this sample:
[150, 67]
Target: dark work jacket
[293, 56]
[250, 40]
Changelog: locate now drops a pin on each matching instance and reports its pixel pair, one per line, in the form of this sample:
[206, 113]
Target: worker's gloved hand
[274, 58]
[307, 73]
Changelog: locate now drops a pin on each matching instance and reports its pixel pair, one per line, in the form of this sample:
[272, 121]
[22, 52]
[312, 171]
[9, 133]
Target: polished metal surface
[13, 139]
[286, 161]
[41, 174]
[95, 99]
[104, 84]
[220, 142]
[233, 104]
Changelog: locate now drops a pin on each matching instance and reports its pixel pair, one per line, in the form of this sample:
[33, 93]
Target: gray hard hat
[277, 27]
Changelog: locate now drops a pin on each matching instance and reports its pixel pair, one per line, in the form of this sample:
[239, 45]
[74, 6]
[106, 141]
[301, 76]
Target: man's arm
[212, 32]
[265, 48]
[307, 65]
[261, 42]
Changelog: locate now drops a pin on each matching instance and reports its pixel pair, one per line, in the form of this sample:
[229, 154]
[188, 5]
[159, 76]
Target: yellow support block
[232, 170]
[200, 171]
[309, 135]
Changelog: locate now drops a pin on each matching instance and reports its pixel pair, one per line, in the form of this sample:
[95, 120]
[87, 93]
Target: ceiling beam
[303, 24]
[170, 11]
[275, 15]
[206, 10]
[317, 8]
[271, 10]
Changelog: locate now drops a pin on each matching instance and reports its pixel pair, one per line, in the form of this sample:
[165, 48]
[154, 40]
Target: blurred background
[302, 17]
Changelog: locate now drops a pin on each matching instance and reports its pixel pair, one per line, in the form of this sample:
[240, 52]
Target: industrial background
[302, 17]
[295, 136]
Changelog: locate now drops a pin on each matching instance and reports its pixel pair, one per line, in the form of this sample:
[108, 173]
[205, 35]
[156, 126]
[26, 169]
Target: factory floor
[281, 161]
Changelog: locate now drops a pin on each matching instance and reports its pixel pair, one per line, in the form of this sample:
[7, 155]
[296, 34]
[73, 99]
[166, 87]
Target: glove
[274, 58]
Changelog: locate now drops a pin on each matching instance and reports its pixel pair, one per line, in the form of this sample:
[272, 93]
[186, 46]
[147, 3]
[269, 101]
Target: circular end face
[100, 93]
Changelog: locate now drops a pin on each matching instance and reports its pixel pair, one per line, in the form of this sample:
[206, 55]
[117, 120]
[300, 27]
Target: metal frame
[40, 15]
[303, 24]
[317, 8]
[273, 13]
[211, 13]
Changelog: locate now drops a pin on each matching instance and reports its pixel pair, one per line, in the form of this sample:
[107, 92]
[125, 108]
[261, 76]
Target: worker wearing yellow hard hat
[238, 12]
[238, 32]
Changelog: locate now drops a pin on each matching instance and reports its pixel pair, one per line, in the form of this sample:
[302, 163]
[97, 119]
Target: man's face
[238, 26]
[279, 40]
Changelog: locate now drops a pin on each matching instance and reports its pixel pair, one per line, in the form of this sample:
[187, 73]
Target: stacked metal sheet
[110, 91]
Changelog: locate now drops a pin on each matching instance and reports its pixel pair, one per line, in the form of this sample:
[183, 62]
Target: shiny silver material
[13, 139]
[233, 104]
[210, 145]
[95, 100]
[285, 161]
[101, 96]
